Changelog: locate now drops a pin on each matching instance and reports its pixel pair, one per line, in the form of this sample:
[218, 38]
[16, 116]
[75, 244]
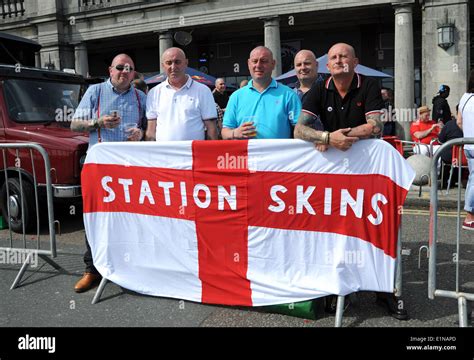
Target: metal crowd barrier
[433, 291]
[23, 176]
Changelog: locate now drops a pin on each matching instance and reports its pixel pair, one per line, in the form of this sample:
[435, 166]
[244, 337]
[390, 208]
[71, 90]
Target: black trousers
[88, 259]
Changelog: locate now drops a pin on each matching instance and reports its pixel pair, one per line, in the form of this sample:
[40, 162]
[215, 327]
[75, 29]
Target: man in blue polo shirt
[264, 109]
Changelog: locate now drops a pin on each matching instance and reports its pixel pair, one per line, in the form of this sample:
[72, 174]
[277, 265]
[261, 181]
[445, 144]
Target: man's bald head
[173, 51]
[122, 71]
[261, 65]
[342, 60]
[306, 67]
[220, 85]
[174, 63]
[262, 49]
[122, 58]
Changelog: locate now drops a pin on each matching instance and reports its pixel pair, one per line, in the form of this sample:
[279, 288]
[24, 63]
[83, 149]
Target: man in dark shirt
[220, 97]
[389, 121]
[349, 106]
[450, 131]
[441, 109]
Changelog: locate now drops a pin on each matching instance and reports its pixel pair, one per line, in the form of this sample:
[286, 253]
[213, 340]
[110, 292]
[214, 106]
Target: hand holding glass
[251, 120]
[127, 130]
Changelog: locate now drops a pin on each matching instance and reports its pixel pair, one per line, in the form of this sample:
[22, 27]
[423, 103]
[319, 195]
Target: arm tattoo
[376, 122]
[81, 125]
[304, 131]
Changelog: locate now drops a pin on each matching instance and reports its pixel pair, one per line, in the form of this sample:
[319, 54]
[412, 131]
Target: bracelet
[325, 137]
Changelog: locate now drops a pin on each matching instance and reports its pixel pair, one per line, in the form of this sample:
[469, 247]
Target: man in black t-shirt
[349, 105]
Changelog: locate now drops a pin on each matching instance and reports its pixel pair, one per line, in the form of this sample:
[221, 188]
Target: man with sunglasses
[105, 112]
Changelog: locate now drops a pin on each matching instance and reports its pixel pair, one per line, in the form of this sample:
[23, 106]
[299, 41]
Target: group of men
[332, 113]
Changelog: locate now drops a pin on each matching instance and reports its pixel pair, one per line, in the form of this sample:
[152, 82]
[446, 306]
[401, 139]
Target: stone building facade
[398, 37]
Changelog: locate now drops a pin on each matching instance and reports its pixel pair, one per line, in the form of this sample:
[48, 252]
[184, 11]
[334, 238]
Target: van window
[32, 101]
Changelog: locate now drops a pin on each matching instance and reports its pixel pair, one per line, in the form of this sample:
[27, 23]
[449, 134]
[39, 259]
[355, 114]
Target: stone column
[272, 41]
[81, 60]
[404, 68]
[445, 66]
[166, 41]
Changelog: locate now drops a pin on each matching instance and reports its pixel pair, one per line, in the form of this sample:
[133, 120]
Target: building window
[92, 2]
[12, 8]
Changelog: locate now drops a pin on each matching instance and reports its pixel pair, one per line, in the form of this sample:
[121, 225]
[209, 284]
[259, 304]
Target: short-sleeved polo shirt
[276, 110]
[336, 113]
[180, 113]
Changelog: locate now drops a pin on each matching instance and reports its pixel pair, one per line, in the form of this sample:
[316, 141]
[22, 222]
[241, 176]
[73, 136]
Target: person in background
[140, 85]
[441, 109]
[389, 112]
[306, 68]
[243, 83]
[424, 131]
[465, 121]
[449, 132]
[220, 96]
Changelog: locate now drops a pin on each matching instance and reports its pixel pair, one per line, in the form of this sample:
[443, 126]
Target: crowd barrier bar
[45, 254]
[462, 297]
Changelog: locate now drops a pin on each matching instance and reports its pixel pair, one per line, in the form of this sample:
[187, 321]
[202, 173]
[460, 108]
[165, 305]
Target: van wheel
[14, 200]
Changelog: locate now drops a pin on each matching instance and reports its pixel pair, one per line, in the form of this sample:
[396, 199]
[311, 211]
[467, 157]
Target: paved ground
[46, 297]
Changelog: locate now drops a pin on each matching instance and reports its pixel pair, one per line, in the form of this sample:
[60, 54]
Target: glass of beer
[253, 121]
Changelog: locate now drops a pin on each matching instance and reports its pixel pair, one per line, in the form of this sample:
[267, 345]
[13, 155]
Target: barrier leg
[339, 311]
[398, 263]
[462, 310]
[99, 291]
[21, 272]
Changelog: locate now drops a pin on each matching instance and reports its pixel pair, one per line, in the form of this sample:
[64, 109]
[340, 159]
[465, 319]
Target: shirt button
[342, 108]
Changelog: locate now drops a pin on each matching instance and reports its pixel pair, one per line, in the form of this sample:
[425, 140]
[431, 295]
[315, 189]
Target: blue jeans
[469, 196]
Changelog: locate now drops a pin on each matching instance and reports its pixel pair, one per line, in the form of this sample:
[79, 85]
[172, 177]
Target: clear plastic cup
[126, 130]
[254, 121]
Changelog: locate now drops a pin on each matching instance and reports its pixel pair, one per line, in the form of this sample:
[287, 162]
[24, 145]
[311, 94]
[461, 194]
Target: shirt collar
[273, 84]
[187, 84]
[355, 84]
[111, 86]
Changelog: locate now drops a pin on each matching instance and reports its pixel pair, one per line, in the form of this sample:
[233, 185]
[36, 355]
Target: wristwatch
[95, 123]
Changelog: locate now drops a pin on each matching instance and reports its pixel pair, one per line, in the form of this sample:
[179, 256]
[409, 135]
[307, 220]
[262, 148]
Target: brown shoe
[87, 282]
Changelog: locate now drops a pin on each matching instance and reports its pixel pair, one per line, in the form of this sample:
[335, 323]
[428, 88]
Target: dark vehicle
[17, 50]
[36, 106]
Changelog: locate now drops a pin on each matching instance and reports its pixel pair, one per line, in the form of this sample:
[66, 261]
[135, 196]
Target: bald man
[264, 109]
[220, 96]
[306, 68]
[104, 112]
[350, 106]
[180, 108]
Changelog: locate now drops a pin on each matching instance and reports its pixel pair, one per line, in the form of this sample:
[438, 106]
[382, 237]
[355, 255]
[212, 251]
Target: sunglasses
[123, 67]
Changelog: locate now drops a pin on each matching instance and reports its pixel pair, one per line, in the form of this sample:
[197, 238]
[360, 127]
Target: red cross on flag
[252, 223]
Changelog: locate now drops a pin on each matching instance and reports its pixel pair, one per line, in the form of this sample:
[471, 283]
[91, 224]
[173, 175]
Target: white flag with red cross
[252, 223]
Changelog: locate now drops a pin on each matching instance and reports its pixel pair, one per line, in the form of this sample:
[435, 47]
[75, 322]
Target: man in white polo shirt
[180, 108]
